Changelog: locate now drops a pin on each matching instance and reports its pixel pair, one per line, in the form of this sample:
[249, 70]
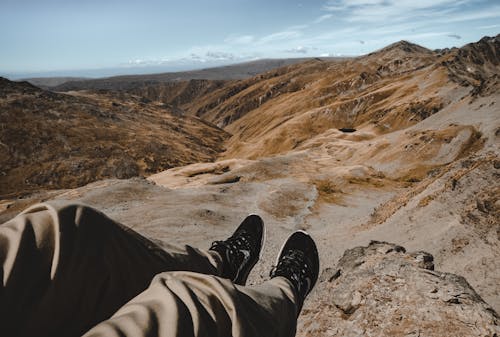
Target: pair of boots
[298, 260]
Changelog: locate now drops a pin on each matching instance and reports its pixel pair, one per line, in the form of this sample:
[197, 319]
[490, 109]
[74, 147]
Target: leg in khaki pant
[191, 304]
[68, 269]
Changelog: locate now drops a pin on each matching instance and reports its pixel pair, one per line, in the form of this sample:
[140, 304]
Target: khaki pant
[68, 270]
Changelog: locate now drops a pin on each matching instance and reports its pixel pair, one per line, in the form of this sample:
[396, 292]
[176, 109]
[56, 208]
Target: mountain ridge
[228, 72]
[394, 147]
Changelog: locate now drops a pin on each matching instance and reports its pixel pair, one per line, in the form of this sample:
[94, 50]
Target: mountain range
[400, 145]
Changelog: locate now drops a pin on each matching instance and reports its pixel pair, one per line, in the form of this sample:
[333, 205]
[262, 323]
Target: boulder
[381, 290]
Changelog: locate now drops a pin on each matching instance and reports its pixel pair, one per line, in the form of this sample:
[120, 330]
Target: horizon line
[176, 65]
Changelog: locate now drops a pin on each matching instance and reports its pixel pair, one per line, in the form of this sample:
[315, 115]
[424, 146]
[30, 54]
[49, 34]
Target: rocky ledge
[381, 290]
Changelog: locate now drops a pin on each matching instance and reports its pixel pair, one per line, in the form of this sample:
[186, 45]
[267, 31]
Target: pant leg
[67, 267]
[186, 304]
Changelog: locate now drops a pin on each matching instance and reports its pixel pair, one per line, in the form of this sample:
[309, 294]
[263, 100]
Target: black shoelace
[233, 247]
[293, 265]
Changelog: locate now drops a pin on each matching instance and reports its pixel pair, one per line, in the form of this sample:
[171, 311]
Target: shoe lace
[293, 265]
[234, 247]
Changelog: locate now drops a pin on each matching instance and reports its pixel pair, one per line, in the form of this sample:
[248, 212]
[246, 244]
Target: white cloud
[424, 35]
[220, 56]
[376, 11]
[487, 13]
[297, 50]
[335, 5]
[323, 18]
[196, 57]
[147, 62]
[211, 56]
[284, 35]
[136, 62]
[297, 27]
[338, 5]
[488, 27]
[332, 55]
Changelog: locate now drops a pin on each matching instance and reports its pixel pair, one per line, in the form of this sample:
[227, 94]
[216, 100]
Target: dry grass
[314, 97]
[426, 200]
[55, 141]
[328, 191]
[367, 181]
[284, 203]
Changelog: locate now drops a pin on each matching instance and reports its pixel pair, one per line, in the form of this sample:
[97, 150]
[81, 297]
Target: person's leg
[66, 267]
[185, 304]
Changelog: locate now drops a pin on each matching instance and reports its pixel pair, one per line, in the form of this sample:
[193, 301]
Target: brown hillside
[416, 161]
[178, 94]
[401, 145]
[276, 112]
[51, 140]
[476, 64]
[387, 90]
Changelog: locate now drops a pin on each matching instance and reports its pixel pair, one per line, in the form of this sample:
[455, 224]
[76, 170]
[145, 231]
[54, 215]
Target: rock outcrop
[381, 290]
[476, 65]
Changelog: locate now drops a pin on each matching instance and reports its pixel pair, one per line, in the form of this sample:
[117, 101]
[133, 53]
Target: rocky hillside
[385, 91]
[381, 290]
[401, 145]
[389, 146]
[476, 64]
[51, 140]
[178, 94]
[388, 90]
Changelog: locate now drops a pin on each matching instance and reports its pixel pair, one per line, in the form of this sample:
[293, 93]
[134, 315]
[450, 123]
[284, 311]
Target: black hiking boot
[298, 261]
[241, 251]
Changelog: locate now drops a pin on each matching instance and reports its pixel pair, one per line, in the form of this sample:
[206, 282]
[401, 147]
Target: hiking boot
[298, 262]
[242, 250]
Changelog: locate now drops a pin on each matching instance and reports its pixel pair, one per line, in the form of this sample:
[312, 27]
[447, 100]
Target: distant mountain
[47, 82]
[403, 46]
[230, 72]
[392, 88]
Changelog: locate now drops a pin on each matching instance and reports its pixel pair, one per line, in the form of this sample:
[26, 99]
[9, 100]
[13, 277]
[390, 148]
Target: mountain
[388, 146]
[230, 72]
[47, 82]
[400, 145]
[402, 46]
[391, 89]
[476, 64]
[52, 140]
[279, 110]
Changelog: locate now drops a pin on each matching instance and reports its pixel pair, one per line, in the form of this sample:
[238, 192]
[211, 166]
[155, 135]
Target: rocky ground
[381, 290]
[420, 168]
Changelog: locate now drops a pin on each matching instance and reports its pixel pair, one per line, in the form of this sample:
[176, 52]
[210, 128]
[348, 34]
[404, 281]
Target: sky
[103, 37]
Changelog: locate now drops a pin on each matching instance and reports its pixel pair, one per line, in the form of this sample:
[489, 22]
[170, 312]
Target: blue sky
[66, 36]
